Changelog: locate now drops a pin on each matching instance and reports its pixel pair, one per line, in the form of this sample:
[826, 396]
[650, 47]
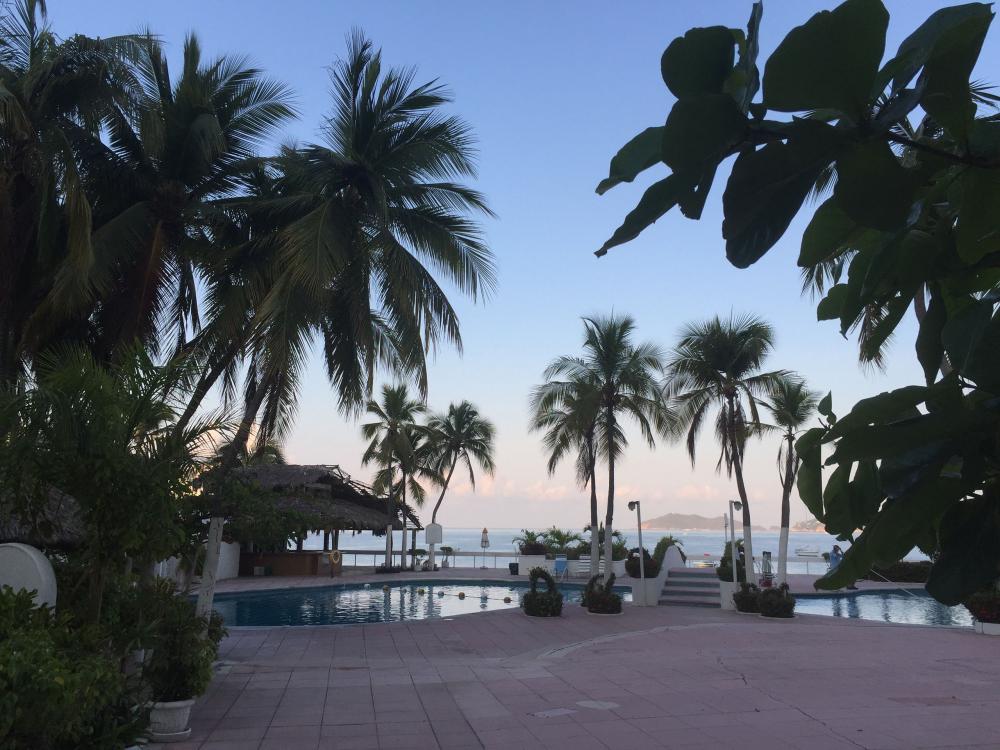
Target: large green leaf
[978, 233]
[969, 557]
[851, 506]
[767, 187]
[917, 48]
[830, 306]
[829, 62]
[897, 528]
[829, 233]
[880, 409]
[971, 339]
[946, 96]
[659, 198]
[637, 155]
[930, 349]
[873, 189]
[700, 130]
[698, 62]
[810, 476]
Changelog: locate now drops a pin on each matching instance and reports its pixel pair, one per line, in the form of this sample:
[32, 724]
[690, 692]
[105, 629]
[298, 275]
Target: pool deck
[657, 677]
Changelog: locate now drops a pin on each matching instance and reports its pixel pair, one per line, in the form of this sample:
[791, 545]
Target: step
[692, 573]
[688, 601]
[696, 582]
[689, 591]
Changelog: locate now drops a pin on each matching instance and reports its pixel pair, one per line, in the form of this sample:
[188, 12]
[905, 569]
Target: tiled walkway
[659, 677]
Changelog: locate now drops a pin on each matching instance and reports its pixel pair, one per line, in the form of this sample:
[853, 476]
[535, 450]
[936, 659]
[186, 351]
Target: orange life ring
[335, 557]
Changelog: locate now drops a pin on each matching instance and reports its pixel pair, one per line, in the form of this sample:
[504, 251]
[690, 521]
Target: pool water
[353, 603]
[912, 607]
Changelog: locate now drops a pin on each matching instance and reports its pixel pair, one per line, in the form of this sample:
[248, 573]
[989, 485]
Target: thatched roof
[54, 525]
[326, 493]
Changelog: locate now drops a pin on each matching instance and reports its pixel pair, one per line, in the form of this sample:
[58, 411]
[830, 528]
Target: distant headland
[695, 522]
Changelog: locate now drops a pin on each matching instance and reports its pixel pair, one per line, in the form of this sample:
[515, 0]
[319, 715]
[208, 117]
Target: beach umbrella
[485, 541]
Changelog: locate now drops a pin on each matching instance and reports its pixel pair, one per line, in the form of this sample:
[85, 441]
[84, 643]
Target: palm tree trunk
[402, 546]
[391, 511]
[210, 571]
[736, 449]
[595, 539]
[786, 493]
[434, 513]
[610, 512]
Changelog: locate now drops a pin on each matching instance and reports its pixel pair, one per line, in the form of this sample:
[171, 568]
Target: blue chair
[561, 567]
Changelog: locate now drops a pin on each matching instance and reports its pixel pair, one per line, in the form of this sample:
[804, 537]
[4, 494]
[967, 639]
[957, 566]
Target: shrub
[179, 666]
[380, 569]
[59, 689]
[601, 599]
[985, 605]
[901, 572]
[546, 603]
[665, 543]
[531, 542]
[651, 565]
[746, 598]
[776, 602]
[725, 569]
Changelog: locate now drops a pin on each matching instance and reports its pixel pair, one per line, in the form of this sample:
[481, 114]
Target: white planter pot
[618, 568]
[527, 562]
[726, 591]
[987, 628]
[168, 720]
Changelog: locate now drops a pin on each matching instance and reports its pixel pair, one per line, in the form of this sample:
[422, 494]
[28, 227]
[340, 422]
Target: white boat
[807, 550]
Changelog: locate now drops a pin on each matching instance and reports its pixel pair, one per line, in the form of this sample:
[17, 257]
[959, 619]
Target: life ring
[335, 557]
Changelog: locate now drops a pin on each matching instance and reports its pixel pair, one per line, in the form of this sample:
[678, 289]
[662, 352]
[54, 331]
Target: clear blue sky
[552, 90]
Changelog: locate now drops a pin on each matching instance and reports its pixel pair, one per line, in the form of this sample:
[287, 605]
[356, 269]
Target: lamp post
[634, 505]
[734, 505]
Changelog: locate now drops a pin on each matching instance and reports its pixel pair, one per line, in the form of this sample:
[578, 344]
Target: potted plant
[547, 603]
[179, 667]
[601, 599]
[746, 598]
[985, 608]
[531, 549]
[776, 602]
[447, 552]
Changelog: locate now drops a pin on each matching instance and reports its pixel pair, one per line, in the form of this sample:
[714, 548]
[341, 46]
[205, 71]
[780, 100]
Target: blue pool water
[352, 604]
[912, 607]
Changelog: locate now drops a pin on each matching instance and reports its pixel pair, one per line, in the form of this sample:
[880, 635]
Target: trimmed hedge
[904, 571]
[985, 606]
[546, 603]
[747, 598]
[601, 599]
[651, 565]
[776, 602]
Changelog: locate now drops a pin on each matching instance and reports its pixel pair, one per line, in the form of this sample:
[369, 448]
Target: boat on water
[808, 550]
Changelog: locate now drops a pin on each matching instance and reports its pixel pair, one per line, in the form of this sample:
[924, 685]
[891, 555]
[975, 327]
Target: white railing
[818, 564]
[479, 559]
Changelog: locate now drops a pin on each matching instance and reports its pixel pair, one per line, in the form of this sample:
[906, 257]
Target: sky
[552, 90]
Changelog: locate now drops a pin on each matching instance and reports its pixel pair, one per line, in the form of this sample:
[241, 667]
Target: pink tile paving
[666, 677]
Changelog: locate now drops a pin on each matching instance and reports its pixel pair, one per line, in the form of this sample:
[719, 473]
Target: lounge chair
[561, 568]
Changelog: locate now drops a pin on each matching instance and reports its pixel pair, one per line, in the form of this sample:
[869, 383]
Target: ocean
[696, 544]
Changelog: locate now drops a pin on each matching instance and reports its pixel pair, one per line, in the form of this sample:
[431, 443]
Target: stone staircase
[691, 587]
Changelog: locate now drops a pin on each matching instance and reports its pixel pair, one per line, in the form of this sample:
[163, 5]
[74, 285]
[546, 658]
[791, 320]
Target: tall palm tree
[791, 405]
[567, 412]
[717, 364]
[392, 435]
[462, 434]
[625, 374]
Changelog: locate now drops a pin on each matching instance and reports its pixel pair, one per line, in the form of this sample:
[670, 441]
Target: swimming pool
[911, 607]
[352, 604]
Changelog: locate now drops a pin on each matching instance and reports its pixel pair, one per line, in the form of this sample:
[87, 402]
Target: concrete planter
[618, 568]
[527, 562]
[726, 591]
[987, 628]
[168, 720]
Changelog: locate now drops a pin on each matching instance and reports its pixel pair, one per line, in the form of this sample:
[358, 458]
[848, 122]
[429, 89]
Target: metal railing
[818, 563]
[479, 559]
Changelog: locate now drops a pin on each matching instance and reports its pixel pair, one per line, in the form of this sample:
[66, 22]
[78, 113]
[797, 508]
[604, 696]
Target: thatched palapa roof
[328, 494]
[56, 524]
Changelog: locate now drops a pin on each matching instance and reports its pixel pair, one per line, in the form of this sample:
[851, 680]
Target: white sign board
[24, 567]
[433, 533]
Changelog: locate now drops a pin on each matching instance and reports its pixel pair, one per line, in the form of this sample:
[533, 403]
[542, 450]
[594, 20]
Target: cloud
[698, 492]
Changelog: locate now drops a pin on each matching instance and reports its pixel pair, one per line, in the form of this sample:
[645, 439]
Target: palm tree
[791, 404]
[392, 435]
[625, 374]
[718, 363]
[567, 411]
[460, 435]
